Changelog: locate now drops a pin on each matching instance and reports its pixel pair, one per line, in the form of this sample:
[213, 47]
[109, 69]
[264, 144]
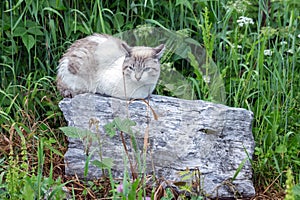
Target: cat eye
[130, 67]
[147, 69]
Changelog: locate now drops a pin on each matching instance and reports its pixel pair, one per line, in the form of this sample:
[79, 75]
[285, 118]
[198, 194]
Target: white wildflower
[206, 79]
[239, 6]
[291, 51]
[298, 35]
[283, 42]
[238, 46]
[268, 52]
[244, 21]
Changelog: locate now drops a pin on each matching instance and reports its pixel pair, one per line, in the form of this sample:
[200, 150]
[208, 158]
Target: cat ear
[159, 50]
[127, 48]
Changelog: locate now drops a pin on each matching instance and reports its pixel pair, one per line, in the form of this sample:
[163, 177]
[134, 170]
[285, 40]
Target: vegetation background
[254, 43]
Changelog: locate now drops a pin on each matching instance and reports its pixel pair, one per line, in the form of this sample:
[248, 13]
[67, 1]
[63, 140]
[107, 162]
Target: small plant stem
[134, 176]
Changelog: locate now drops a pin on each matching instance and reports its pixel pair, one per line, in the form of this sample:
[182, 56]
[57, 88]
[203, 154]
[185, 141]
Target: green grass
[34, 35]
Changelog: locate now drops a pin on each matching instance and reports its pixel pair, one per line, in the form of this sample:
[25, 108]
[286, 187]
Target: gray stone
[193, 134]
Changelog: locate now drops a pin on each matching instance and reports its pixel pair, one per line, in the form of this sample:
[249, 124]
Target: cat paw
[67, 94]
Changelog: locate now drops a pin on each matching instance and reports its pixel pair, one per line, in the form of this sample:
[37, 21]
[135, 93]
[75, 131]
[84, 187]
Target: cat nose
[137, 77]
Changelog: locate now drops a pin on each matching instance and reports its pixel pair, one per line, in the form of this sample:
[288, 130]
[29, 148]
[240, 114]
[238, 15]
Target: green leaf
[106, 163]
[281, 149]
[239, 169]
[58, 5]
[28, 192]
[53, 32]
[110, 129]
[134, 186]
[194, 63]
[83, 29]
[169, 195]
[58, 190]
[30, 23]
[36, 30]
[75, 132]
[185, 3]
[296, 190]
[19, 31]
[124, 124]
[15, 6]
[28, 41]
[51, 10]
[48, 143]
[118, 20]
[86, 165]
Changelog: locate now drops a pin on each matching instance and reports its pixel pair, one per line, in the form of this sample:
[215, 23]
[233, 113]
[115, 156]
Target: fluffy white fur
[102, 64]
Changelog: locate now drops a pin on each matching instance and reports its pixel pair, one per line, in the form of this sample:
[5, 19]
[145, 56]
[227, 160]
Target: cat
[109, 66]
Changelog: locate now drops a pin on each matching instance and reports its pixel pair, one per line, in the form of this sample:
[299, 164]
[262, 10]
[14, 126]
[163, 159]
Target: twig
[130, 162]
[273, 182]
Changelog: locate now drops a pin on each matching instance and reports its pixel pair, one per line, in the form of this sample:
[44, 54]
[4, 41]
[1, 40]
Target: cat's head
[142, 63]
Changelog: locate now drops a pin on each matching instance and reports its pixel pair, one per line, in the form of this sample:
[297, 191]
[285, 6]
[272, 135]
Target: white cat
[107, 65]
